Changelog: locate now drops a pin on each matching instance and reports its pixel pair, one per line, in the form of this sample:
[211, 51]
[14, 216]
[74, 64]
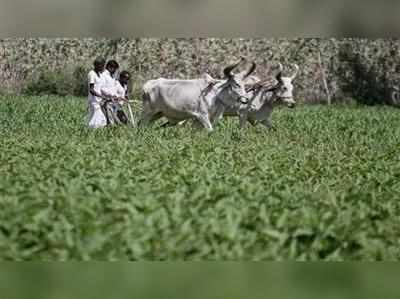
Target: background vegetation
[364, 69]
[324, 186]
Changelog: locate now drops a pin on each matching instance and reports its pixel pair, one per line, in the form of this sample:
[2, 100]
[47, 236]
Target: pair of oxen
[207, 100]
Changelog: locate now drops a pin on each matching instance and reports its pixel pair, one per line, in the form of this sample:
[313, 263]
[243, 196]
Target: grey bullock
[263, 96]
[203, 100]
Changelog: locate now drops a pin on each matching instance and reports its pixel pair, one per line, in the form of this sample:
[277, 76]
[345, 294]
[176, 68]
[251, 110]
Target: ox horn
[228, 70]
[280, 68]
[251, 70]
[280, 71]
[296, 71]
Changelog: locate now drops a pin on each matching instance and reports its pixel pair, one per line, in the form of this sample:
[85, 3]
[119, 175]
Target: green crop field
[324, 186]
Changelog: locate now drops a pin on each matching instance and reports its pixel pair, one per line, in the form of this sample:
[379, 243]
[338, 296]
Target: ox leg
[174, 123]
[205, 121]
[146, 115]
[167, 124]
[156, 116]
[181, 123]
[268, 123]
[252, 122]
[197, 125]
[170, 123]
[146, 119]
[242, 120]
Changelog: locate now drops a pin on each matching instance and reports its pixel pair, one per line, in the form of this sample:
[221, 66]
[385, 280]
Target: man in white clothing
[122, 97]
[110, 83]
[108, 90]
[115, 91]
[122, 84]
[97, 118]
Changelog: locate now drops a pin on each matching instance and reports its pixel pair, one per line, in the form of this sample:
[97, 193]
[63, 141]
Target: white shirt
[98, 82]
[120, 90]
[109, 84]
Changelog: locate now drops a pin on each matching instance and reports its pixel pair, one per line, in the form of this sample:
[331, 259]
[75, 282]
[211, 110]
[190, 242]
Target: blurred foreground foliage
[199, 280]
[324, 186]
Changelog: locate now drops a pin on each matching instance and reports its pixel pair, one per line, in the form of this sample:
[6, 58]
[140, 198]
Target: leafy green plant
[324, 186]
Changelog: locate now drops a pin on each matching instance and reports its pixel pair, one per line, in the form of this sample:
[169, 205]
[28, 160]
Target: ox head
[232, 90]
[284, 88]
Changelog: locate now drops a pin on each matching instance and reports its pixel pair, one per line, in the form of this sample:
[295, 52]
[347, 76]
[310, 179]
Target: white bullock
[203, 100]
[263, 96]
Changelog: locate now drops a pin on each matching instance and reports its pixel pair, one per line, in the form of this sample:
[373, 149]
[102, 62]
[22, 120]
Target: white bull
[263, 97]
[203, 100]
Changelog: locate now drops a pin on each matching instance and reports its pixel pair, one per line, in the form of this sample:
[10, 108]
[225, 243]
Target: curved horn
[251, 70]
[280, 70]
[296, 71]
[228, 70]
[395, 97]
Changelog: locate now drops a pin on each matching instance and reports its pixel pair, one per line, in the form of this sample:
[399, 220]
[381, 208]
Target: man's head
[112, 66]
[124, 77]
[99, 64]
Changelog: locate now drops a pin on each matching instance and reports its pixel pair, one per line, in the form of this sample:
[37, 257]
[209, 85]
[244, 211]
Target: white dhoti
[97, 118]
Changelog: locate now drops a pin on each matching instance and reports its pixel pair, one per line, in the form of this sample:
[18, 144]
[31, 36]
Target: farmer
[108, 91]
[97, 118]
[110, 83]
[114, 93]
[122, 96]
[122, 84]
[117, 96]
